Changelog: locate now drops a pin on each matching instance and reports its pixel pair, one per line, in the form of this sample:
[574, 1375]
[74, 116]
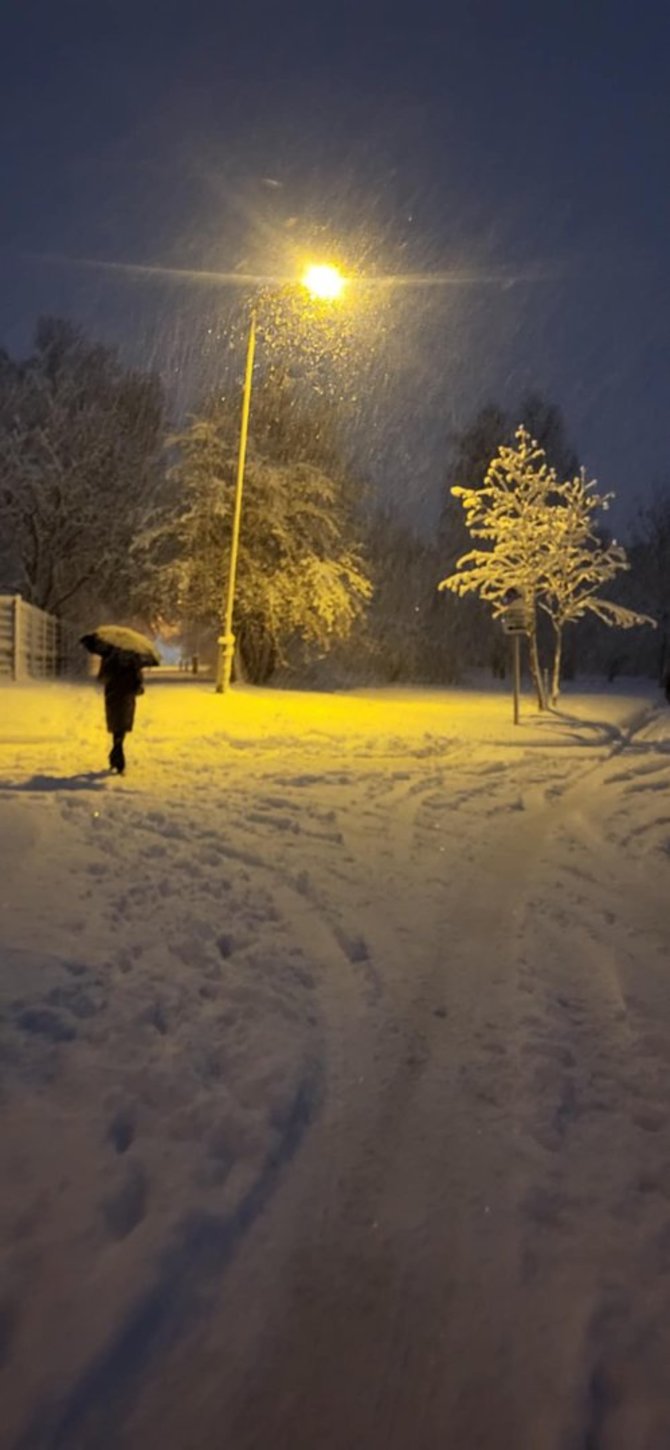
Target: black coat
[121, 675]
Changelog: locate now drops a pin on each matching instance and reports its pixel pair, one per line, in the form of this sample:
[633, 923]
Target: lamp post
[327, 284]
[226, 642]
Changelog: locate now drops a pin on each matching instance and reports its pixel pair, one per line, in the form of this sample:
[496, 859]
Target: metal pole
[226, 641]
[17, 638]
[517, 675]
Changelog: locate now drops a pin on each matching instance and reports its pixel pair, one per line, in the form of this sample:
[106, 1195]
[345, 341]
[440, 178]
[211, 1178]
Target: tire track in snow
[78, 1417]
[92, 1413]
[598, 1215]
[357, 1198]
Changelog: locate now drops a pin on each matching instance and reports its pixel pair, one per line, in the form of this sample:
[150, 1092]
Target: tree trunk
[257, 652]
[556, 668]
[535, 670]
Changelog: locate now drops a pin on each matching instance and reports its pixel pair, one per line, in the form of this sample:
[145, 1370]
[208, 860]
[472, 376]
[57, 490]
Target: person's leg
[117, 758]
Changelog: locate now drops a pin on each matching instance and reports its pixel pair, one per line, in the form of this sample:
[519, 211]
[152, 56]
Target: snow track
[472, 1245]
[458, 1235]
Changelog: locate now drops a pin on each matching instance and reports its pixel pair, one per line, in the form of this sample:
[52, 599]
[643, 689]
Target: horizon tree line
[105, 508]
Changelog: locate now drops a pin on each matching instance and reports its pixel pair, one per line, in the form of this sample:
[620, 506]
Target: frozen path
[467, 1240]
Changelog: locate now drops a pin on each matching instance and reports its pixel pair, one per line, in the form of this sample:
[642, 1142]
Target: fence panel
[7, 614]
[34, 644]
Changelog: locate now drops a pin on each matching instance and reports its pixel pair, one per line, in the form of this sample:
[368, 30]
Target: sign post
[515, 623]
[516, 650]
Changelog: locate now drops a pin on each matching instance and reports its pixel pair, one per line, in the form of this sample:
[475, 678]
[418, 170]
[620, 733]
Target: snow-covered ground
[335, 1072]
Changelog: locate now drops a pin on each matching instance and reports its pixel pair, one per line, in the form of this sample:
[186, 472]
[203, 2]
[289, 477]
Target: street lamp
[325, 284]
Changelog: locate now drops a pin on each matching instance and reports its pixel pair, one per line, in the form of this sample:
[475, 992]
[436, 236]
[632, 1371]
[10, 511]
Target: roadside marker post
[515, 623]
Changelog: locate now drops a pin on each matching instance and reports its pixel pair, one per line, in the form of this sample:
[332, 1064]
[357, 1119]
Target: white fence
[33, 644]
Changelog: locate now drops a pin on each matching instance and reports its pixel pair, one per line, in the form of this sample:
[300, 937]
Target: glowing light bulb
[325, 282]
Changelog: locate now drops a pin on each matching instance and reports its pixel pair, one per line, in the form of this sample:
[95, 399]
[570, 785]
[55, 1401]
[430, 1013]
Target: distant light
[325, 282]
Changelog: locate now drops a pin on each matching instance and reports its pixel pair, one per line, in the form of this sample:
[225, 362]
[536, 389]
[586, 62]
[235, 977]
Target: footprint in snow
[121, 1130]
[126, 1207]
[44, 1022]
[651, 1120]
[155, 1016]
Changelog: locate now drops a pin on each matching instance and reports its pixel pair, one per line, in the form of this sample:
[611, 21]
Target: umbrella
[117, 636]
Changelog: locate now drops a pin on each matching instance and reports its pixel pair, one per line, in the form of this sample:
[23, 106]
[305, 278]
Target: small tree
[543, 546]
[509, 514]
[577, 563]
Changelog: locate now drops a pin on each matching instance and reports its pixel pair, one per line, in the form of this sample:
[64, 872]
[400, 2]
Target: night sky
[521, 152]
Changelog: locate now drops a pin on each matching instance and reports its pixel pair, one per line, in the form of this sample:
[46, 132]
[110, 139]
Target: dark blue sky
[479, 138]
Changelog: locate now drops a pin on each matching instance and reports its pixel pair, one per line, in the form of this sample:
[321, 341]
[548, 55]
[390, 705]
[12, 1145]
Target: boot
[116, 757]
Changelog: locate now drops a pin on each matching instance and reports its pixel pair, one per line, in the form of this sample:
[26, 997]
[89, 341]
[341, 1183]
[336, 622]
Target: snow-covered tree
[508, 514]
[80, 467]
[577, 563]
[300, 574]
[475, 635]
[539, 543]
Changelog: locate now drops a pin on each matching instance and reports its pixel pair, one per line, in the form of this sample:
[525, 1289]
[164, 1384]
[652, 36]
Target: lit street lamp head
[324, 282]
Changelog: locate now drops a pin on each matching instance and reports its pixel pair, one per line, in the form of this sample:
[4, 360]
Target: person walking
[121, 675]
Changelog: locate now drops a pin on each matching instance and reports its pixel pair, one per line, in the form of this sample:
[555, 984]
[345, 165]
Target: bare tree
[80, 467]
[649, 554]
